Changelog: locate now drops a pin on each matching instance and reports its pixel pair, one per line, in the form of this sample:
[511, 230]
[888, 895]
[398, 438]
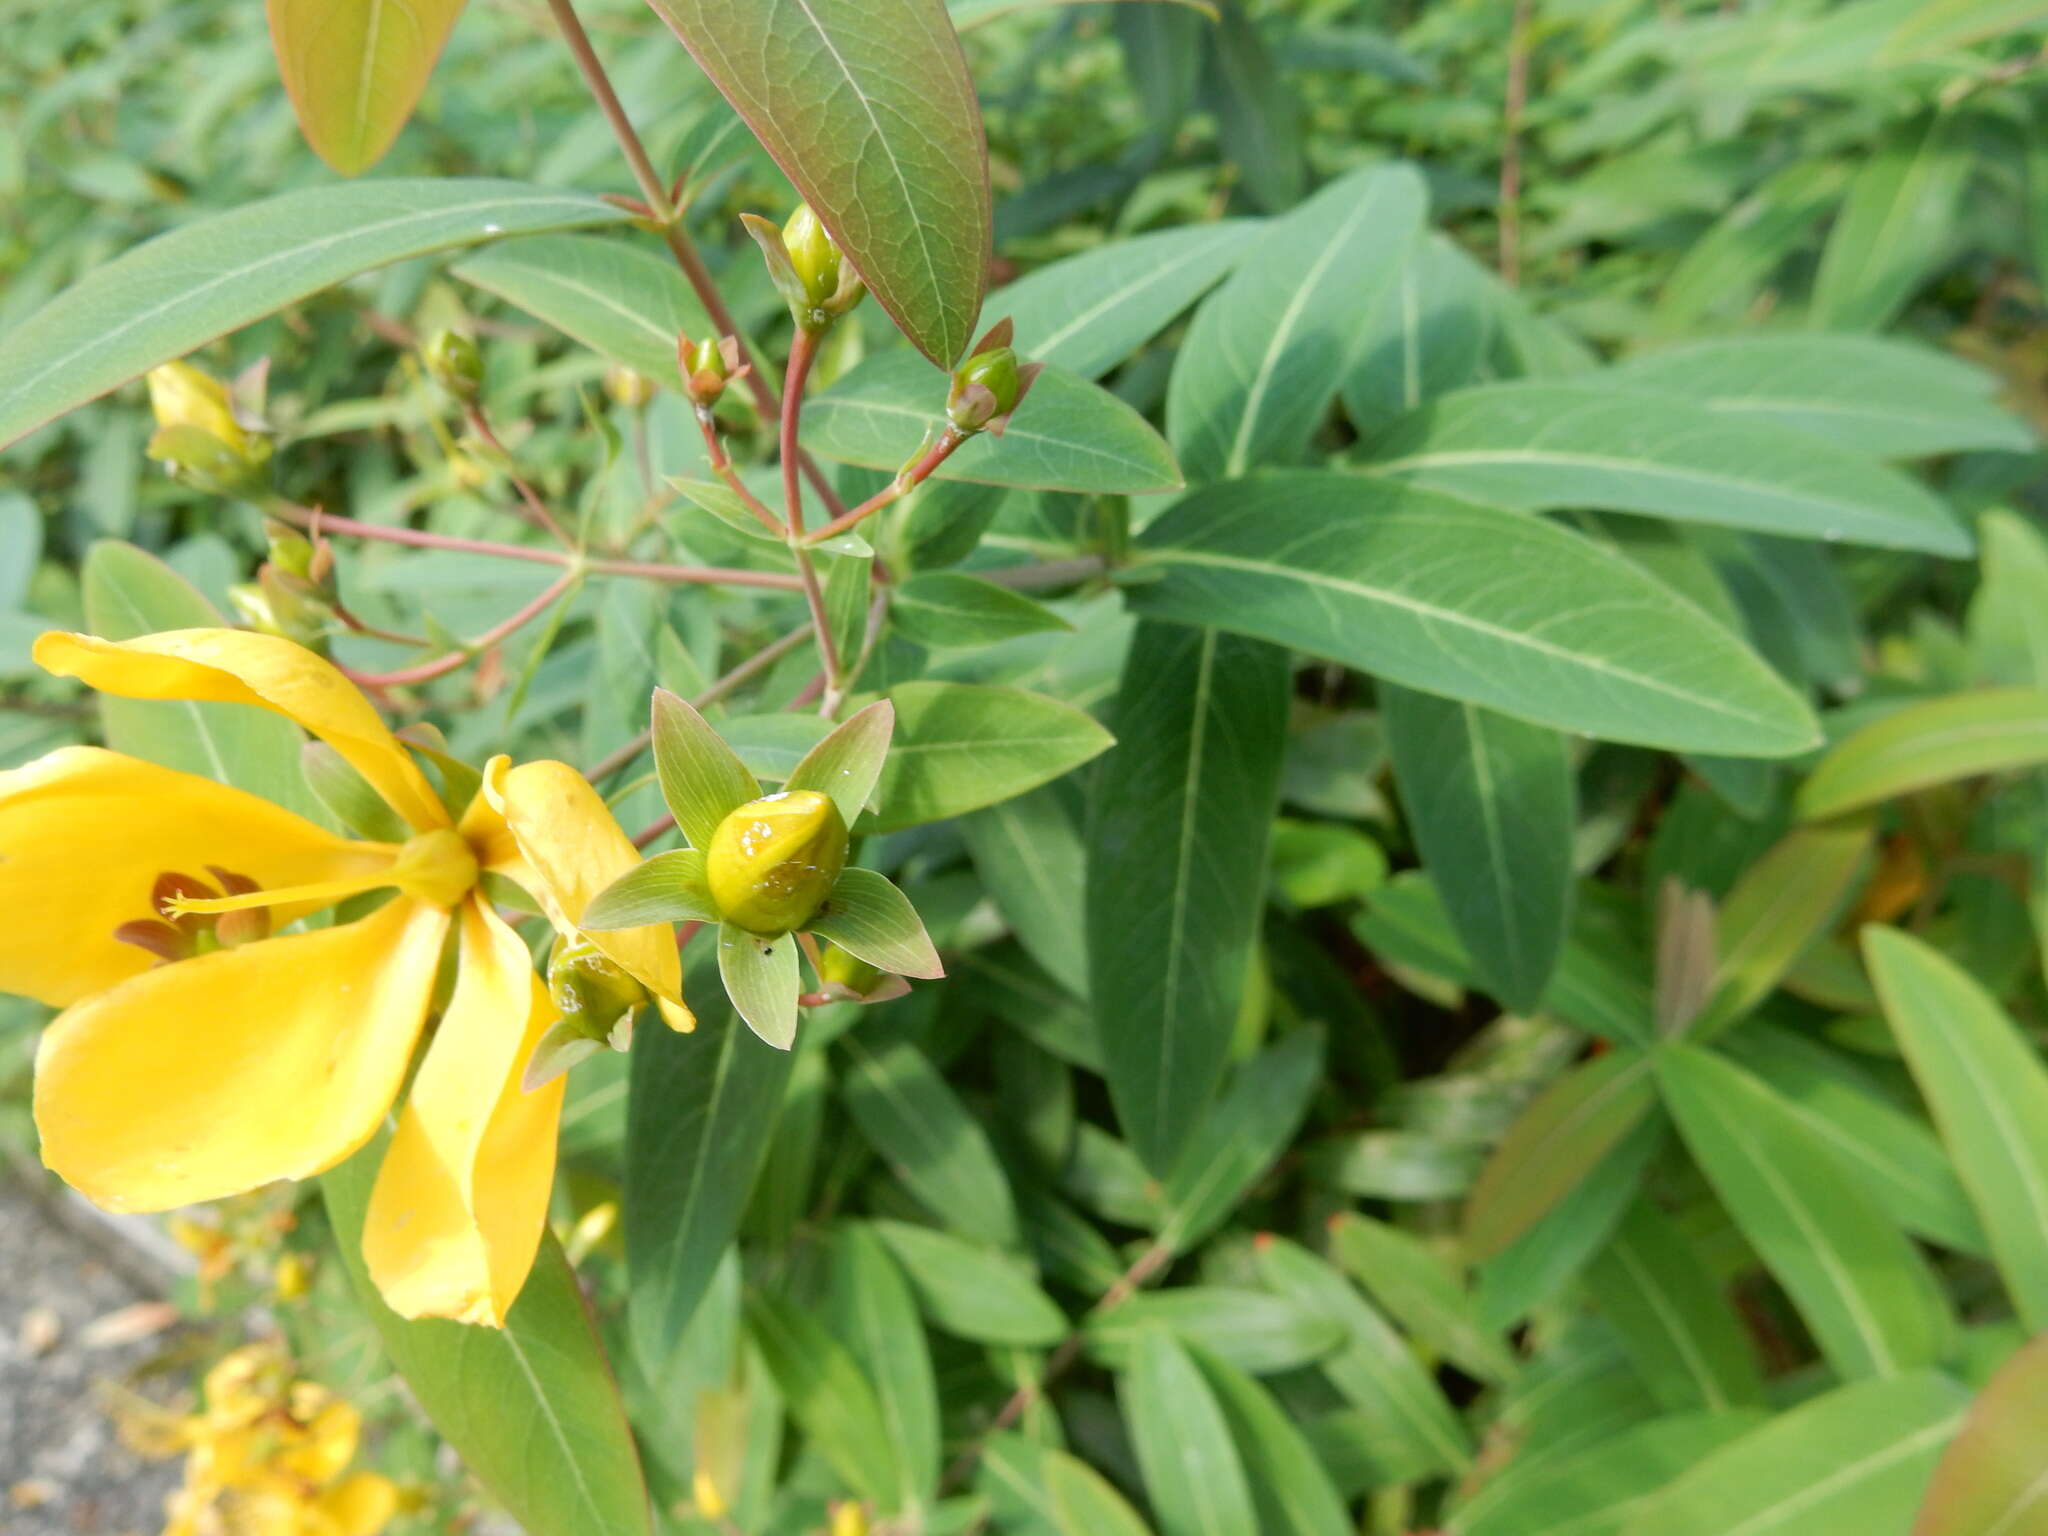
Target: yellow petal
[570, 849]
[221, 1073]
[462, 1196]
[86, 832]
[238, 667]
[362, 1504]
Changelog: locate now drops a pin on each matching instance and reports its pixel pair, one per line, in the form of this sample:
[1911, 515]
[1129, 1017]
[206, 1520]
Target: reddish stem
[441, 666]
[901, 486]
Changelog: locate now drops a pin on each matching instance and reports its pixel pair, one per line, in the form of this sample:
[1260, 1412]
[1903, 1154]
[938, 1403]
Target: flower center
[176, 933]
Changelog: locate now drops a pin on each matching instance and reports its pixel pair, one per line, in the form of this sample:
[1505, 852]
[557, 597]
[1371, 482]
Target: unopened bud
[814, 279]
[847, 978]
[592, 993]
[455, 364]
[813, 254]
[772, 862]
[198, 439]
[849, 1519]
[707, 366]
[290, 550]
[984, 387]
[628, 387]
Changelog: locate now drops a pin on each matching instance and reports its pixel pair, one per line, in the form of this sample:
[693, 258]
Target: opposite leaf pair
[768, 868]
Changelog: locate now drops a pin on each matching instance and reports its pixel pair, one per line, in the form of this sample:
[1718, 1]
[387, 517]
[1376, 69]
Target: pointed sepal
[702, 779]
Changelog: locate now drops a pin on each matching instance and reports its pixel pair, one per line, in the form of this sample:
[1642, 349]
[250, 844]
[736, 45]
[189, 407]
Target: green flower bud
[593, 994]
[845, 969]
[707, 366]
[813, 254]
[198, 439]
[988, 385]
[455, 363]
[772, 862]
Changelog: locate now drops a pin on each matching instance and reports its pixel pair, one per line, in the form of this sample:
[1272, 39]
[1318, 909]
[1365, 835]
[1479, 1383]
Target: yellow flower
[266, 1456]
[181, 395]
[251, 1058]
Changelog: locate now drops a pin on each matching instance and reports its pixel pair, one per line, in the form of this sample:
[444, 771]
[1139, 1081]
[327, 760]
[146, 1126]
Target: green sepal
[668, 888]
[869, 918]
[847, 764]
[760, 976]
[702, 779]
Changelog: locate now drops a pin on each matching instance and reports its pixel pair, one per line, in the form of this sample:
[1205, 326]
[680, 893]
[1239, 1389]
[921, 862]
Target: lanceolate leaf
[1268, 349]
[1889, 399]
[182, 289]
[1555, 1143]
[1290, 1489]
[354, 69]
[1989, 1092]
[1990, 1478]
[1990, 731]
[702, 1110]
[1407, 1277]
[1242, 1136]
[531, 1407]
[869, 1308]
[1895, 224]
[1176, 855]
[1028, 852]
[973, 1290]
[1862, 1287]
[1089, 312]
[1192, 1473]
[1439, 595]
[829, 1395]
[620, 300]
[868, 108]
[1490, 802]
[1068, 435]
[1539, 446]
[1681, 1331]
[961, 746]
[1854, 1459]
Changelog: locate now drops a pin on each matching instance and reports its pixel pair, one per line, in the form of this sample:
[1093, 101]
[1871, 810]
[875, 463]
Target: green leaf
[847, 764]
[1783, 903]
[1724, 269]
[1989, 1479]
[1592, 1492]
[1989, 1092]
[1176, 855]
[2008, 623]
[961, 746]
[1241, 1137]
[868, 108]
[1068, 435]
[1291, 1490]
[868, 917]
[218, 273]
[1862, 1287]
[1889, 1148]
[530, 1407]
[972, 1290]
[1501, 610]
[1595, 987]
[702, 779]
[828, 1395]
[348, 796]
[917, 1123]
[1028, 852]
[129, 593]
[1039, 1491]
[1538, 446]
[702, 1110]
[762, 978]
[622, 302]
[950, 608]
[869, 1307]
[1676, 1323]
[1872, 395]
[1398, 1402]
[1421, 1292]
[1854, 1459]
[1268, 349]
[1895, 225]
[1430, 336]
[1991, 730]
[1192, 1475]
[972, 13]
[355, 70]
[1089, 312]
[668, 888]
[1553, 1144]
[1252, 1330]
[1490, 803]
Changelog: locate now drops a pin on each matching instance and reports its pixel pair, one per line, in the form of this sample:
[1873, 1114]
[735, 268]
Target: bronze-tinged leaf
[355, 69]
[868, 108]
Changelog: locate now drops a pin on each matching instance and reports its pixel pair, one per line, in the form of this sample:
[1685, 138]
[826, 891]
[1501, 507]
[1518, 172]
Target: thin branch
[441, 666]
[536, 509]
[901, 486]
[801, 353]
[1511, 146]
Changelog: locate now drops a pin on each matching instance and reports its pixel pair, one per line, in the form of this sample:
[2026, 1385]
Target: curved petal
[238, 667]
[222, 1073]
[569, 850]
[85, 833]
[462, 1197]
